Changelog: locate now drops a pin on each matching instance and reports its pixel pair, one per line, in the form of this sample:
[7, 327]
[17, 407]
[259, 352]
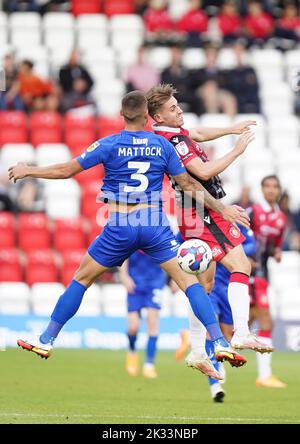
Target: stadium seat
[45, 127]
[180, 305]
[94, 231]
[218, 120]
[44, 297]
[278, 128]
[25, 29]
[12, 153]
[114, 300]
[14, 298]
[277, 99]
[159, 57]
[109, 125]
[127, 31]
[94, 174]
[91, 305]
[13, 127]
[40, 267]
[112, 7]
[259, 130]
[227, 59]
[62, 199]
[177, 8]
[73, 121]
[10, 265]
[69, 234]
[33, 232]
[38, 54]
[87, 7]
[70, 262]
[92, 31]
[79, 139]
[48, 153]
[193, 58]
[58, 27]
[7, 230]
[90, 206]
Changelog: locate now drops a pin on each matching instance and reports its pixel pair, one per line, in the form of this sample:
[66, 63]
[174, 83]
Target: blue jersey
[134, 163]
[145, 272]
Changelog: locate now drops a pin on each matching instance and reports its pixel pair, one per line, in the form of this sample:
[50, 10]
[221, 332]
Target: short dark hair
[270, 177]
[133, 105]
[158, 96]
[29, 63]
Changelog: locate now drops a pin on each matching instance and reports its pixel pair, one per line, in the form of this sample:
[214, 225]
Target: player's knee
[242, 266]
[209, 285]
[84, 277]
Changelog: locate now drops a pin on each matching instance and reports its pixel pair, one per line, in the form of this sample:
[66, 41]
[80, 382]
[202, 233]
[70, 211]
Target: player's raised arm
[207, 170]
[232, 213]
[206, 134]
[56, 171]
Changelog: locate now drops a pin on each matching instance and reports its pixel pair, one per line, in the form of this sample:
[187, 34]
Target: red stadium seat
[110, 125]
[91, 175]
[70, 262]
[41, 267]
[85, 7]
[34, 231]
[45, 127]
[13, 127]
[95, 230]
[111, 7]
[7, 230]
[10, 265]
[79, 139]
[90, 208]
[72, 121]
[69, 234]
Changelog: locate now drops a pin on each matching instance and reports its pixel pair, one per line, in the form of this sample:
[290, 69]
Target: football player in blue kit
[135, 162]
[144, 292]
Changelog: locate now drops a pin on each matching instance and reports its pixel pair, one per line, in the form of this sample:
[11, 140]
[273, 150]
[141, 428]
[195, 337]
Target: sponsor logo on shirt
[93, 147]
[182, 148]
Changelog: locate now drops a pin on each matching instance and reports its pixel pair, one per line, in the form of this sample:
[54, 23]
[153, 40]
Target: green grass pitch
[91, 387]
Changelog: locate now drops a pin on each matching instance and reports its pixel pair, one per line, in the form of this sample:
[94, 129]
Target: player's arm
[232, 213]
[207, 170]
[56, 171]
[206, 134]
[126, 279]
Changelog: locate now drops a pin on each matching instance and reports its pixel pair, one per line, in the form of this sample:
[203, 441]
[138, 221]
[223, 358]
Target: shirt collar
[266, 206]
[165, 129]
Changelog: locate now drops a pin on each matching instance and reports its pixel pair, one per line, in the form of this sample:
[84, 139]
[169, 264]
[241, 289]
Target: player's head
[271, 188]
[163, 106]
[135, 108]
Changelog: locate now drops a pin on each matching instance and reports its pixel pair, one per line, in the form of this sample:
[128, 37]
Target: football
[194, 256]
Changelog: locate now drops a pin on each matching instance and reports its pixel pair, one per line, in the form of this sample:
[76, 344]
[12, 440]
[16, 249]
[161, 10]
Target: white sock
[239, 300]
[197, 333]
[264, 360]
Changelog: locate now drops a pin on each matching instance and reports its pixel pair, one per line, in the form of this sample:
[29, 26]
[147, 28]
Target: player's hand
[236, 215]
[241, 127]
[243, 141]
[18, 171]
[129, 284]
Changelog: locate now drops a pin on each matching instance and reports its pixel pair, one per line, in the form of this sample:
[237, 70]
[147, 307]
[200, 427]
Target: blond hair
[158, 96]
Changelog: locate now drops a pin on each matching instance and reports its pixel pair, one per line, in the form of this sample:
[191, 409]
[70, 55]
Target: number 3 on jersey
[142, 168]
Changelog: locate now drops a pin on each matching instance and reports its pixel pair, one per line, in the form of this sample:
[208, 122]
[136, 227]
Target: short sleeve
[92, 156]
[184, 147]
[174, 164]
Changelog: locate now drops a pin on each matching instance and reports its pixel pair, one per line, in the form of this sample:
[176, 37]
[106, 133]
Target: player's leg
[149, 370]
[133, 325]
[207, 279]
[66, 306]
[238, 295]
[203, 310]
[263, 317]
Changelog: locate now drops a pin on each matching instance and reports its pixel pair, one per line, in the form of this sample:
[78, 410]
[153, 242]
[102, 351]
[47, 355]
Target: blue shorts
[219, 299]
[144, 298]
[146, 229]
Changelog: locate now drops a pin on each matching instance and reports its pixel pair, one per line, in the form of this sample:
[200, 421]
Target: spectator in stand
[245, 197]
[194, 24]
[158, 23]
[78, 98]
[10, 98]
[296, 234]
[140, 6]
[229, 22]
[141, 75]
[20, 5]
[291, 240]
[29, 196]
[210, 84]
[36, 93]
[179, 76]
[259, 25]
[288, 26]
[242, 82]
[73, 70]
[6, 203]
